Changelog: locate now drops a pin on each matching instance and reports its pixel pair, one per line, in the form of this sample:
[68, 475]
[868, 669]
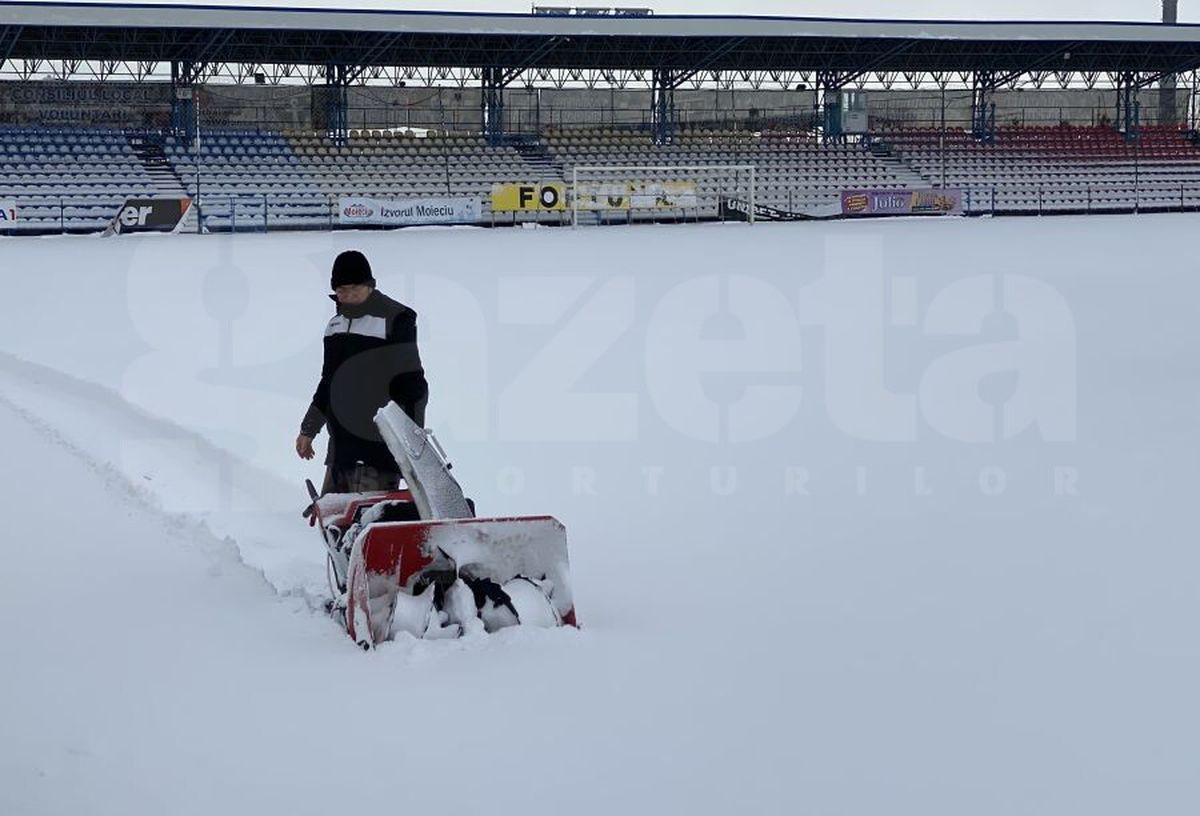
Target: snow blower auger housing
[417, 559]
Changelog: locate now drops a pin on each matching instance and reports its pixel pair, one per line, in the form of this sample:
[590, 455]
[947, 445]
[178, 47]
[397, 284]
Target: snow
[863, 517]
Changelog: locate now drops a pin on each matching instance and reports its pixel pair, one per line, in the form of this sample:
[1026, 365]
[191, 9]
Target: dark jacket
[370, 357]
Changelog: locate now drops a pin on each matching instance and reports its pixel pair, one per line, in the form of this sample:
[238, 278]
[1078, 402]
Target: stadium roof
[234, 34]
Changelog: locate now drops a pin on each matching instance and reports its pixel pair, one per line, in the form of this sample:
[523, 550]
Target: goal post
[647, 190]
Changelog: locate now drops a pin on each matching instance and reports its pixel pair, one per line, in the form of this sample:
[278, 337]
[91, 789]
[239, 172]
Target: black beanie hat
[350, 268]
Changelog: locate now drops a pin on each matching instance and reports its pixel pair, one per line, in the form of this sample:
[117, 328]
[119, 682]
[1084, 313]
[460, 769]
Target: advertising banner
[636, 195]
[8, 213]
[149, 215]
[545, 195]
[406, 212]
[738, 209]
[925, 201]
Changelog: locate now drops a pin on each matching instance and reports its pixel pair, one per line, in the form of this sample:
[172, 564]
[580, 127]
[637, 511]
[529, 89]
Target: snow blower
[417, 560]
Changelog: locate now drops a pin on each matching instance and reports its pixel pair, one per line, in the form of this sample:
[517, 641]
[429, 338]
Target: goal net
[603, 194]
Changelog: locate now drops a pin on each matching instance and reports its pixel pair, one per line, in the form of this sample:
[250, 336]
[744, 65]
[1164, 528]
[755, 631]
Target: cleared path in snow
[149, 671]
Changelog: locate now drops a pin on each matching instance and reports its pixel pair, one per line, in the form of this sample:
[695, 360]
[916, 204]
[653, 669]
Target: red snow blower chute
[417, 560]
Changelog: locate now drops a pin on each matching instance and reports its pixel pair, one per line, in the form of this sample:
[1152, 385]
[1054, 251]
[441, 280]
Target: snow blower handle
[310, 512]
[438, 450]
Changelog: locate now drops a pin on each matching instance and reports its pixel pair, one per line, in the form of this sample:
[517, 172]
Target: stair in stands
[881, 150]
[164, 180]
[905, 174]
[536, 155]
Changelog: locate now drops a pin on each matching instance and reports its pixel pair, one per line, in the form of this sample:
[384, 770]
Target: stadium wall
[283, 107]
[1027, 106]
[299, 107]
[85, 104]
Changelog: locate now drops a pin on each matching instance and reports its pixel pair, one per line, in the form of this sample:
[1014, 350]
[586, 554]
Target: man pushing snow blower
[370, 356]
[411, 557]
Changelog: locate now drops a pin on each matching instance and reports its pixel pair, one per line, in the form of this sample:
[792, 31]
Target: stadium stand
[249, 180]
[75, 179]
[792, 171]
[71, 179]
[1056, 168]
[399, 164]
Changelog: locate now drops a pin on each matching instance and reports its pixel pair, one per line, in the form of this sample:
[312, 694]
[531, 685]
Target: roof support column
[1128, 109]
[492, 105]
[495, 80]
[662, 113]
[184, 77]
[829, 106]
[337, 103]
[983, 108]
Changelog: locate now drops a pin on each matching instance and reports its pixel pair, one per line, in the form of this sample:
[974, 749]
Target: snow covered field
[865, 518]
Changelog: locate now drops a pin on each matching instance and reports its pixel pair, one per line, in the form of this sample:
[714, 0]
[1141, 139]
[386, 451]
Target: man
[370, 356]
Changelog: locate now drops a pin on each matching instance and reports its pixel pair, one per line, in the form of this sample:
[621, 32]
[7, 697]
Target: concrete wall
[609, 107]
[85, 104]
[278, 107]
[300, 107]
[526, 111]
[1014, 107]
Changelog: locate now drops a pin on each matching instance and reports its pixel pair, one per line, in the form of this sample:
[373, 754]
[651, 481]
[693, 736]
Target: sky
[1140, 10]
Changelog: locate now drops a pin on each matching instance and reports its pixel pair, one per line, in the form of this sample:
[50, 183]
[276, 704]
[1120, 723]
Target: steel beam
[495, 79]
[708, 62]
[184, 78]
[1128, 109]
[9, 35]
[846, 54]
[828, 109]
[492, 105]
[337, 103]
[558, 78]
[983, 108]
[373, 55]
[665, 81]
[663, 105]
[1059, 58]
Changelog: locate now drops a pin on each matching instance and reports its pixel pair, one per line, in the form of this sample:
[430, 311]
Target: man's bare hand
[304, 448]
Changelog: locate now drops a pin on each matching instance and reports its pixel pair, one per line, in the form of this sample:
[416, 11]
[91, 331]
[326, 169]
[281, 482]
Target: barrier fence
[269, 213]
[925, 109]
